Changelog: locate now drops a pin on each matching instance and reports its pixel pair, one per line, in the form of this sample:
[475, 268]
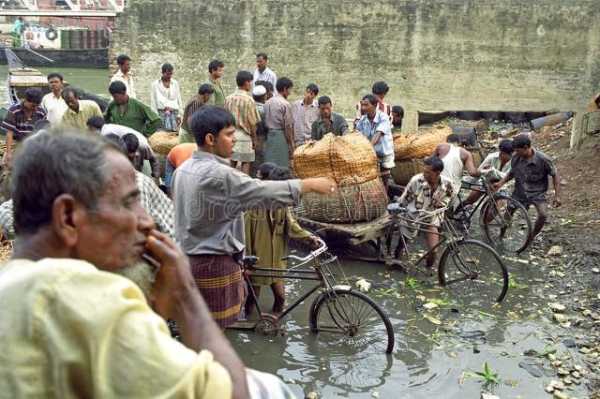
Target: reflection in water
[433, 346]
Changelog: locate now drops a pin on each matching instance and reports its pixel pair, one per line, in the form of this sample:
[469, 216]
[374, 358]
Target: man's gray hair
[49, 165]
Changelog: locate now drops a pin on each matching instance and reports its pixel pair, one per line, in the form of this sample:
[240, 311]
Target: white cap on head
[259, 90]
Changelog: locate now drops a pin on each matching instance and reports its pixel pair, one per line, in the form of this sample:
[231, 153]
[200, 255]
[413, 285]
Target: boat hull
[76, 58]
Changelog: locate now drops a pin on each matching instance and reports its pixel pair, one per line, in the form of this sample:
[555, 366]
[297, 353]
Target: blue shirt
[381, 123]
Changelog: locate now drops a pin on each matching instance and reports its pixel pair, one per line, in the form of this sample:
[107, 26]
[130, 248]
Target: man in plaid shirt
[427, 191]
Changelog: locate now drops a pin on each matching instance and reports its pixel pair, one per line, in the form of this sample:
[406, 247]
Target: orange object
[181, 153]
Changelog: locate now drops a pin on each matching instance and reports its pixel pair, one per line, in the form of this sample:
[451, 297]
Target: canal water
[438, 348]
[92, 80]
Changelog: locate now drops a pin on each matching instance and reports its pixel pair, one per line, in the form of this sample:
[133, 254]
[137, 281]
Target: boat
[75, 58]
[62, 47]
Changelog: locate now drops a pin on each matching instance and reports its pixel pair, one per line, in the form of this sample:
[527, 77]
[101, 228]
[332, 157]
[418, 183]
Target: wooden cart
[369, 235]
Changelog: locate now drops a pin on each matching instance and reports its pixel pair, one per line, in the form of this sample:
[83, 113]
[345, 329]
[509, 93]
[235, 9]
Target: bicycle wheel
[474, 272]
[352, 319]
[506, 223]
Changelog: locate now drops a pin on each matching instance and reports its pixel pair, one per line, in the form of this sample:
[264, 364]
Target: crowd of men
[82, 208]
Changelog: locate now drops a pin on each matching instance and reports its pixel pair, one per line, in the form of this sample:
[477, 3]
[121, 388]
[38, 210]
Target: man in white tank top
[455, 160]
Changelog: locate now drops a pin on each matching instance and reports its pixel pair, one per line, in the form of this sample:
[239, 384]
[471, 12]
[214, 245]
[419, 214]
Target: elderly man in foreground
[68, 320]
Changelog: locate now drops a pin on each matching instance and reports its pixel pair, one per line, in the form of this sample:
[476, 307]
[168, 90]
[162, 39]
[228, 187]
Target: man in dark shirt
[397, 117]
[20, 121]
[530, 168]
[328, 121]
[205, 92]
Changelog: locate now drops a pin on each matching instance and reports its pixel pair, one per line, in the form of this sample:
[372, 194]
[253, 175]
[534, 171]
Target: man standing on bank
[53, 103]
[305, 111]
[165, 99]
[124, 74]
[263, 72]
[375, 125]
[243, 108]
[205, 92]
[216, 69]
[531, 168]
[279, 147]
[210, 199]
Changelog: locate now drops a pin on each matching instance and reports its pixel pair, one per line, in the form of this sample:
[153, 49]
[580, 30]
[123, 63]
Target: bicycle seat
[395, 208]
[250, 261]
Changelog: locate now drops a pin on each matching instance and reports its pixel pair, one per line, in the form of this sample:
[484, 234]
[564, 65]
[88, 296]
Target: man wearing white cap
[259, 93]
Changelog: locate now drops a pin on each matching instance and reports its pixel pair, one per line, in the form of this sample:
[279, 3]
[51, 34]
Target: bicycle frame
[299, 274]
[294, 273]
[485, 189]
[445, 238]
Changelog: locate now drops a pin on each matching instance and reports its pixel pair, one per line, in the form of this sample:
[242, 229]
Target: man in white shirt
[263, 72]
[124, 74]
[165, 99]
[53, 103]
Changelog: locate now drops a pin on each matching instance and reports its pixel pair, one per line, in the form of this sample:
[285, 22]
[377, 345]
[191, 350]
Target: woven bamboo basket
[163, 142]
[338, 157]
[352, 203]
[405, 170]
[420, 145]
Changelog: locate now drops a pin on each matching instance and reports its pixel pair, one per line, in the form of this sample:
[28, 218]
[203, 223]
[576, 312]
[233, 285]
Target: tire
[508, 233]
[339, 312]
[51, 34]
[459, 270]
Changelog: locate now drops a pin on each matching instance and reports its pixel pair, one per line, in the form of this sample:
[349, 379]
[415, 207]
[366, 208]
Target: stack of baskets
[411, 149]
[351, 161]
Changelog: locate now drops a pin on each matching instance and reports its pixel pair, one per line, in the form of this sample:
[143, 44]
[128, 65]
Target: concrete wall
[435, 54]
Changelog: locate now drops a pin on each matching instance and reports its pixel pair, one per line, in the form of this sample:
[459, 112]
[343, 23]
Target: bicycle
[338, 309]
[463, 260]
[504, 220]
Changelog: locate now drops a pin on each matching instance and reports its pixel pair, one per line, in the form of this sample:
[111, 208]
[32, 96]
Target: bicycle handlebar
[396, 209]
[311, 255]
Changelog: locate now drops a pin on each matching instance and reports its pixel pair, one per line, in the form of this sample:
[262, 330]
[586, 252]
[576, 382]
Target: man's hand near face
[176, 296]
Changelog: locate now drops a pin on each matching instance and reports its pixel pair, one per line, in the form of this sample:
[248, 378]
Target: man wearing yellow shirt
[79, 111]
[73, 328]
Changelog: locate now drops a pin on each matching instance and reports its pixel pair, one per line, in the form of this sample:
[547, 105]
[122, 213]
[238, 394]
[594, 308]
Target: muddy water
[436, 350]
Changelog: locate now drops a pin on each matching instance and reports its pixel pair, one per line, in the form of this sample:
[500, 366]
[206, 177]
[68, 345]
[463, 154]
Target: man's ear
[210, 139]
[67, 214]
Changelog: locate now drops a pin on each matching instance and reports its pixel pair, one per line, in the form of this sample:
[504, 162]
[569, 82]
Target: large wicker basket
[405, 170]
[361, 202]
[163, 142]
[419, 145]
[338, 157]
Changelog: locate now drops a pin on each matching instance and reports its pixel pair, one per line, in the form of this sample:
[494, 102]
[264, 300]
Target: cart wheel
[268, 325]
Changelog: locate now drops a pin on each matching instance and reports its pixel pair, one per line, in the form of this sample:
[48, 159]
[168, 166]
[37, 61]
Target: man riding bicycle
[493, 168]
[427, 191]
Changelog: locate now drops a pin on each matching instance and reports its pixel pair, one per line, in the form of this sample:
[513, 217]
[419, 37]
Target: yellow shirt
[78, 120]
[68, 330]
